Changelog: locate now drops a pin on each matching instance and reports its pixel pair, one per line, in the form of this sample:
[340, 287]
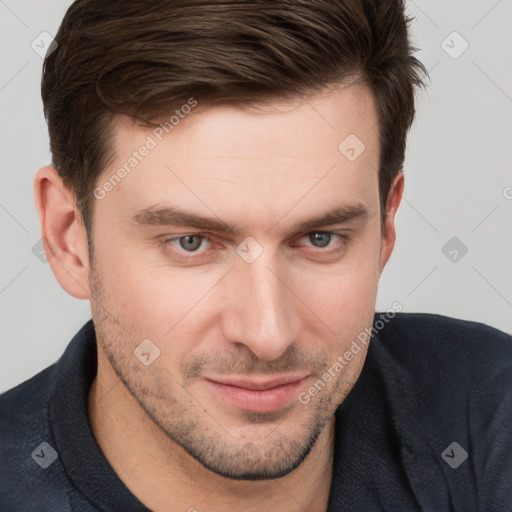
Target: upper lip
[258, 383]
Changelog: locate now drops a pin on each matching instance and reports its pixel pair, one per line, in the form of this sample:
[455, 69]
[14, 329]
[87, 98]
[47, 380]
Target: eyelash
[191, 255]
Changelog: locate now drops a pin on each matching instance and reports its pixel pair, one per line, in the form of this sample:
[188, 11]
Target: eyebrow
[173, 216]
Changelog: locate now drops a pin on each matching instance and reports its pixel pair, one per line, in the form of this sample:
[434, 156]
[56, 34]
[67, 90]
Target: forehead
[258, 162]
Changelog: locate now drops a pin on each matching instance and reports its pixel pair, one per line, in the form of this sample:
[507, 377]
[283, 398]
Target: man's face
[244, 321]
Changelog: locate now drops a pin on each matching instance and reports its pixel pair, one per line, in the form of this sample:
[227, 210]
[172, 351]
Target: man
[223, 190]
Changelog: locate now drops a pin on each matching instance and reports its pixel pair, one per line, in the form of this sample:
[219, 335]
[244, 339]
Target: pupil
[322, 238]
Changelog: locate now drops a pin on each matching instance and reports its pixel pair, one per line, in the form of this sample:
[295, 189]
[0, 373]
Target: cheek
[346, 290]
[348, 309]
[132, 292]
[150, 298]
[345, 301]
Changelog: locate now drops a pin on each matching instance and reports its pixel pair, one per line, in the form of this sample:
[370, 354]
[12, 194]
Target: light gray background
[458, 181]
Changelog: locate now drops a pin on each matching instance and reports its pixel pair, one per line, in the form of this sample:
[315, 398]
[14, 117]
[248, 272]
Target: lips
[258, 394]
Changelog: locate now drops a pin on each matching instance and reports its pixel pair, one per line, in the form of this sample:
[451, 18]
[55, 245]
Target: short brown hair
[146, 58]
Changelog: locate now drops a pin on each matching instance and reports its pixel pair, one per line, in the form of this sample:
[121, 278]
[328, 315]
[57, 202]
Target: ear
[392, 204]
[63, 232]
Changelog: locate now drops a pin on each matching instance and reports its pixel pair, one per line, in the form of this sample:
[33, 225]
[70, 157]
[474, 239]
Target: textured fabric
[428, 382]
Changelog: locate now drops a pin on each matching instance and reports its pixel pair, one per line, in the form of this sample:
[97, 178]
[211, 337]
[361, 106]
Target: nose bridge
[260, 312]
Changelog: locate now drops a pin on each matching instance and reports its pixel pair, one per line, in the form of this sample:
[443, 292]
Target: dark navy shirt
[427, 427]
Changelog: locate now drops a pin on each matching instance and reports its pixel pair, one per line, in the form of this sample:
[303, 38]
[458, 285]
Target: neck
[163, 476]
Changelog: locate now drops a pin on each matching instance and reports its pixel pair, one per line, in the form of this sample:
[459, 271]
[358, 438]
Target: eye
[320, 238]
[185, 243]
[195, 247]
[323, 239]
[190, 242]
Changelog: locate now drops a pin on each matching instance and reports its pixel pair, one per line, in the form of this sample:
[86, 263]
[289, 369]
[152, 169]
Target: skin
[175, 442]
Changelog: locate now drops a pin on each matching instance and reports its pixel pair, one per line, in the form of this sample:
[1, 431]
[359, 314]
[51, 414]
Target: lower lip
[265, 400]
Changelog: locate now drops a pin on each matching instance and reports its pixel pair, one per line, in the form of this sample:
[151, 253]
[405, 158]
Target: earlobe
[389, 233]
[63, 232]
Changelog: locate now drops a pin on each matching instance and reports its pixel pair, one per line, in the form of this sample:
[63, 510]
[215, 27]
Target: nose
[260, 311]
